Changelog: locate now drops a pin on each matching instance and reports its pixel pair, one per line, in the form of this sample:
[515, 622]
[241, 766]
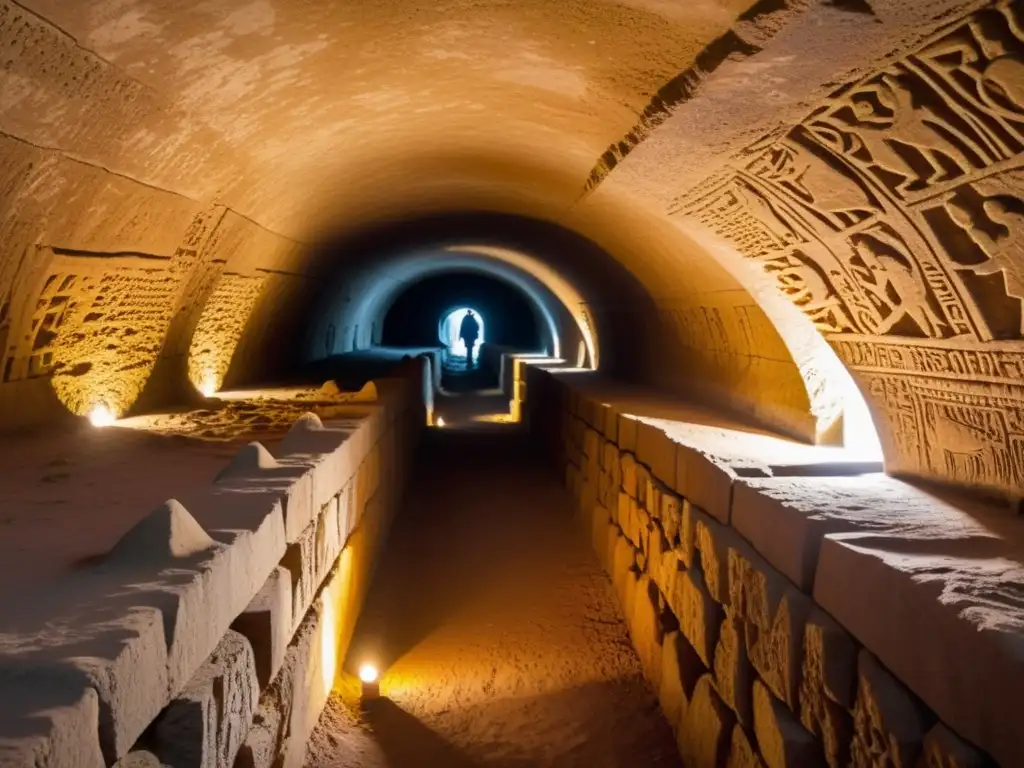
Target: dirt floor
[499, 638]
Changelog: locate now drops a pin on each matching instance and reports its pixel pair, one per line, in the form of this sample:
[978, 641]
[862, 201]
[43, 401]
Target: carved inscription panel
[893, 216]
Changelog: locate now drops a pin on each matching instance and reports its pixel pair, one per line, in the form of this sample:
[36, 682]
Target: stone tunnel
[731, 474]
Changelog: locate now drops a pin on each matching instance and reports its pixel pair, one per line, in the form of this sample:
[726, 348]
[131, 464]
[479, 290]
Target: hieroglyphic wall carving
[220, 327]
[893, 216]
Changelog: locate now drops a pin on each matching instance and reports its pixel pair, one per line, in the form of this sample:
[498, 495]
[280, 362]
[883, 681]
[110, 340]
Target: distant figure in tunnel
[469, 332]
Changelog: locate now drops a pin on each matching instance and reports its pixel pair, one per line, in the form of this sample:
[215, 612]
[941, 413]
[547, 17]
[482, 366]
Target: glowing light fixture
[439, 422]
[101, 416]
[369, 677]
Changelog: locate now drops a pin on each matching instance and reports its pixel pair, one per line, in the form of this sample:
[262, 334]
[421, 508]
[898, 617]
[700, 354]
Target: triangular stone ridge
[168, 532]
[250, 459]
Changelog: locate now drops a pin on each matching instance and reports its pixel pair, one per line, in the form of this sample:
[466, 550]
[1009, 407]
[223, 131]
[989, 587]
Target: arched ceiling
[166, 166]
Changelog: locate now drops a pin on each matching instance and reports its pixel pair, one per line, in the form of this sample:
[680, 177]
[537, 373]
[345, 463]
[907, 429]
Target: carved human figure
[904, 278]
[1005, 251]
[909, 125]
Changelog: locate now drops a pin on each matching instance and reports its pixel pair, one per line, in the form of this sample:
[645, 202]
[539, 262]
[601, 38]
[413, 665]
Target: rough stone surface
[828, 685]
[742, 753]
[206, 724]
[734, 676]
[699, 616]
[48, 723]
[890, 724]
[681, 669]
[944, 749]
[267, 624]
[782, 741]
[774, 614]
[706, 728]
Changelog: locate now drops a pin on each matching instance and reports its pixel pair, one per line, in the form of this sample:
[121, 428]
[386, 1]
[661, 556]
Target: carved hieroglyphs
[893, 217]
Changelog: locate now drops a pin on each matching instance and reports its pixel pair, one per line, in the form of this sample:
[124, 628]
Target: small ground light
[439, 422]
[209, 388]
[371, 684]
[101, 416]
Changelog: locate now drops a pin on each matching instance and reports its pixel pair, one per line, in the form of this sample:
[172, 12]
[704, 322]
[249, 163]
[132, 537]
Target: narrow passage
[499, 638]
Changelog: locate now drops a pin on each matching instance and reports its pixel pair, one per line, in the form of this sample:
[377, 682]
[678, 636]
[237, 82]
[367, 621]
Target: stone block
[714, 542]
[699, 616]
[623, 559]
[267, 624]
[774, 615]
[204, 725]
[681, 668]
[627, 432]
[643, 478]
[48, 720]
[263, 743]
[592, 444]
[645, 630]
[706, 728]
[929, 601]
[787, 518]
[628, 468]
[828, 686]
[889, 722]
[332, 452]
[254, 470]
[741, 752]
[656, 450]
[600, 522]
[705, 481]
[781, 740]
[734, 676]
[138, 758]
[944, 749]
[663, 562]
[611, 423]
[671, 516]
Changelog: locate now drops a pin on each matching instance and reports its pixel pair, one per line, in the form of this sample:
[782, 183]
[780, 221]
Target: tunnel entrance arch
[448, 331]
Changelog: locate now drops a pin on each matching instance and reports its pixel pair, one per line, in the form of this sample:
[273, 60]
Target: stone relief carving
[893, 217]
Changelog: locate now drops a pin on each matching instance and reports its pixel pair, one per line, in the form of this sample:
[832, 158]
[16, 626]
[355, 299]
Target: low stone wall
[792, 610]
[212, 633]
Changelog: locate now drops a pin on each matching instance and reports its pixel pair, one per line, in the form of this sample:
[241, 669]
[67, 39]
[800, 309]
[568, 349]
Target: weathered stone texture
[782, 741]
[890, 723]
[706, 728]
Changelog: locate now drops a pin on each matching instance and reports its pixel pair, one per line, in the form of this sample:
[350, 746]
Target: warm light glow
[101, 416]
[368, 673]
[208, 387]
[328, 644]
[439, 422]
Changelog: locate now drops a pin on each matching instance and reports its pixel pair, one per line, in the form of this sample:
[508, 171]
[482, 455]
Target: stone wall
[789, 608]
[212, 633]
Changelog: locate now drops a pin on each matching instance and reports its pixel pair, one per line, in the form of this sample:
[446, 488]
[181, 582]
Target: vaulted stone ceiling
[774, 175]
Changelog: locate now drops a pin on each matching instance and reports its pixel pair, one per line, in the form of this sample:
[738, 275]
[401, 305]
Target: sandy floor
[499, 637]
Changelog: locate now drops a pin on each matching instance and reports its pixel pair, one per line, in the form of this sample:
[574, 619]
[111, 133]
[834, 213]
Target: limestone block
[671, 515]
[944, 749]
[656, 450]
[267, 624]
[629, 591]
[612, 537]
[774, 615]
[787, 518]
[627, 432]
[601, 520]
[645, 630]
[928, 602]
[629, 477]
[592, 444]
[625, 511]
[699, 616]
[264, 741]
[663, 562]
[706, 728]
[588, 496]
[705, 481]
[638, 530]
[734, 676]
[622, 563]
[253, 469]
[741, 752]
[643, 477]
[782, 741]
[653, 497]
[890, 723]
[714, 542]
[828, 685]
[48, 720]
[830, 659]
[300, 560]
[331, 452]
[681, 668]
[611, 423]
[205, 725]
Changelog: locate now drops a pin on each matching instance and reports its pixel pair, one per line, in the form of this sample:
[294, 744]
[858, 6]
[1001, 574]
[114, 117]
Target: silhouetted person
[469, 332]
